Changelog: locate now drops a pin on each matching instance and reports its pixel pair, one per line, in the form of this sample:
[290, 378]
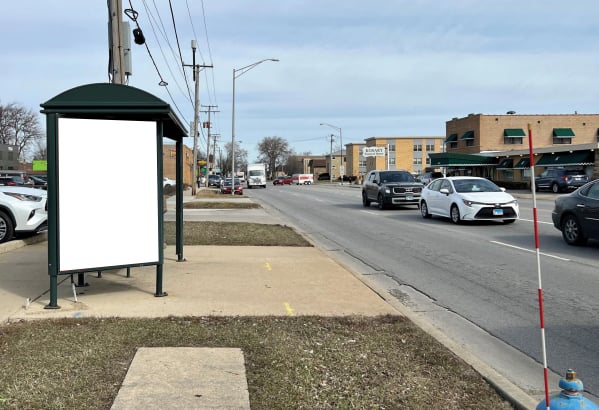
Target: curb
[19, 243]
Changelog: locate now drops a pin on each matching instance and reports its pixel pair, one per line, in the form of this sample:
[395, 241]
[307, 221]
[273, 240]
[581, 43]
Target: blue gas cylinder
[570, 398]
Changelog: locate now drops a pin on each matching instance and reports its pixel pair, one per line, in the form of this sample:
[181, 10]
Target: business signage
[373, 151]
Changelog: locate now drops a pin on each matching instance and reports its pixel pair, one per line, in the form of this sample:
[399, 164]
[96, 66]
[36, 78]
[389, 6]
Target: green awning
[561, 159]
[523, 163]
[468, 135]
[514, 133]
[452, 138]
[563, 133]
[507, 163]
[448, 159]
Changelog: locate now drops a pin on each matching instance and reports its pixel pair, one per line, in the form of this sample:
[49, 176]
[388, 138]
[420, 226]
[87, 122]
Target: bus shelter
[105, 190]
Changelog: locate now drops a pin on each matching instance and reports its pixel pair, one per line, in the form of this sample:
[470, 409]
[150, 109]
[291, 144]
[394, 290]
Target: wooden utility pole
[208, 125]
[196, 117]
[117, 66]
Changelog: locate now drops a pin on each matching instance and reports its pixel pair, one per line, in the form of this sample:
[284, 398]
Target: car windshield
[475, 185]
[397, 177]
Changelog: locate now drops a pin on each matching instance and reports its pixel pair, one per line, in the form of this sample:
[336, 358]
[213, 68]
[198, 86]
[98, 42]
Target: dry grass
[291, 363]
[234, 233]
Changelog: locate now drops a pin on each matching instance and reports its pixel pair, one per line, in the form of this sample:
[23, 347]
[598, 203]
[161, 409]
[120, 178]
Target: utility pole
[196, 115]
[208, 140]
[117, 59]
[214, 137]
[331, 159]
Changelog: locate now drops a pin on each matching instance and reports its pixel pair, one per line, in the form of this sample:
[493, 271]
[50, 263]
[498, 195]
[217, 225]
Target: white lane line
[531, 220]
[372, 213]
[530, 250]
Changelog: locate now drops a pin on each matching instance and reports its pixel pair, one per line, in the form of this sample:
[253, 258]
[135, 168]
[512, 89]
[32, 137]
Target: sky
[382, 68]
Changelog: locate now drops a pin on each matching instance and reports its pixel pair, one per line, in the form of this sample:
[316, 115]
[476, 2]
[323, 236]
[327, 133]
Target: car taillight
[564, 178]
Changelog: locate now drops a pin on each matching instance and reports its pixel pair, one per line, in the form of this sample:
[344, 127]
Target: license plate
[409, 197]
[497, 212]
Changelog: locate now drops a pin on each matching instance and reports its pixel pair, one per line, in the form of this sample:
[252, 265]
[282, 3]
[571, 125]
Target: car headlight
[514, 202]
[387, 190]
[470, 203]
[23, 197]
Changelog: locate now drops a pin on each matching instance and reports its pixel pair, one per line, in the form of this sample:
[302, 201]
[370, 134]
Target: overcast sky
[376, 68]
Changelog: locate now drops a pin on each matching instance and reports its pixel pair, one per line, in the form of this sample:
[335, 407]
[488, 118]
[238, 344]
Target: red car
[284, 180]
[225, 187]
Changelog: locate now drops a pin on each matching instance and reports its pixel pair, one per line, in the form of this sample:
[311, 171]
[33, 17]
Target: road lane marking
[530, 250]
[372, 213]
[541, 222]
[289, 310]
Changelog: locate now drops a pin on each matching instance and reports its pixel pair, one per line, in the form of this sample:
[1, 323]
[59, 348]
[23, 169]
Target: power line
[178, 45]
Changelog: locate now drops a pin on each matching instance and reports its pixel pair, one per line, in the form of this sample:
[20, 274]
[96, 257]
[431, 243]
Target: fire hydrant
[570, 398]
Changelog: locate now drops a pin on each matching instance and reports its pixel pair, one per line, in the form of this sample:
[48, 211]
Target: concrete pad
[184, 378]
[221, 281]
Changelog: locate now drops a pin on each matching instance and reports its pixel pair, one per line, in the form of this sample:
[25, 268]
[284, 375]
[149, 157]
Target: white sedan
[468, 199]
[22, 210]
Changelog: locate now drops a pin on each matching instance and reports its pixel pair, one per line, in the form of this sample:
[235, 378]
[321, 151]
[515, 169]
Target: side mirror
[444, 191]
[375, 182]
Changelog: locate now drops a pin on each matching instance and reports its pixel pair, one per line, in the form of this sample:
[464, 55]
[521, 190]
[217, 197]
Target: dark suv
[559, 179]
[390, 188]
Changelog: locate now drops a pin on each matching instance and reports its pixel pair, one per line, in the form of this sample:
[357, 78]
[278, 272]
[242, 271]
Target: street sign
[373, 151]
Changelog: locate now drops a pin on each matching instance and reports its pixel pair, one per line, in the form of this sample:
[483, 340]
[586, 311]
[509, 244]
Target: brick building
[497, 146]
[409, 153]
[169, 163]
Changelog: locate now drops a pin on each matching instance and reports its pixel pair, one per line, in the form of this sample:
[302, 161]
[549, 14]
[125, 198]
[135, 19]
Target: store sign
[373, 151]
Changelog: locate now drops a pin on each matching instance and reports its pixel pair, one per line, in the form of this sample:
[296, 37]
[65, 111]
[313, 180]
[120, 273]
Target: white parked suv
[22, 211]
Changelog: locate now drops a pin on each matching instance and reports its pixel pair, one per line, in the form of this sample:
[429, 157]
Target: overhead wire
[132, 14]
[158, 23]
[179, 45]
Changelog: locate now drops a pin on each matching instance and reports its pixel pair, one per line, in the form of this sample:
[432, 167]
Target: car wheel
[509, 221]
[454, 214]
[424, 210]
[6, 228]
[381, 202]
[572, 231]
[365, 200]
[555, 188]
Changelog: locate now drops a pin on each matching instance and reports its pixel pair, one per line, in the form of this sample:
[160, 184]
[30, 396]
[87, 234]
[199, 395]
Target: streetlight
[341, 168]
[238, 73]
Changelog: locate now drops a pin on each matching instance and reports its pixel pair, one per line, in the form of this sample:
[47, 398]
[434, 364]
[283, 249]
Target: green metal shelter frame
[103, 101]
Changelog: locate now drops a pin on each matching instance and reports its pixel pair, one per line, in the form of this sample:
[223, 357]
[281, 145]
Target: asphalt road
[476, 275]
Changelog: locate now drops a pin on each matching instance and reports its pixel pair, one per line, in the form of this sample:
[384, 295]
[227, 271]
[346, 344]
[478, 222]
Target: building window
[430, 147]
[362, 163]
[417, 147]
[392, 161]
[453, 144]
[562, 141]
[428, 161]
[512, 140]
[470, 143]
[417, 161]
[391, 147]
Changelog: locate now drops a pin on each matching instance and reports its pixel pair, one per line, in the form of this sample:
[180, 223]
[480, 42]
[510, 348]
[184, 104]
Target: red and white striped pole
[540, 291]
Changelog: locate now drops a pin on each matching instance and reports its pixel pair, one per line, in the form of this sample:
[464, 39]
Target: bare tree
[241, 158]
[273, 151]
[20, 126]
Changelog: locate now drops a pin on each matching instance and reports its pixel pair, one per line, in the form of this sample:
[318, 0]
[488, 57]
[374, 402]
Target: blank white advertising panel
[107, 193]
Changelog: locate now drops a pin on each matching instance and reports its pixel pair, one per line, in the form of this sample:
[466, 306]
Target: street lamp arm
[332, 126]
[240, 71]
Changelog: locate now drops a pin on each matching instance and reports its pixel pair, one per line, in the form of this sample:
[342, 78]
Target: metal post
[241, 71]
[233, 139]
